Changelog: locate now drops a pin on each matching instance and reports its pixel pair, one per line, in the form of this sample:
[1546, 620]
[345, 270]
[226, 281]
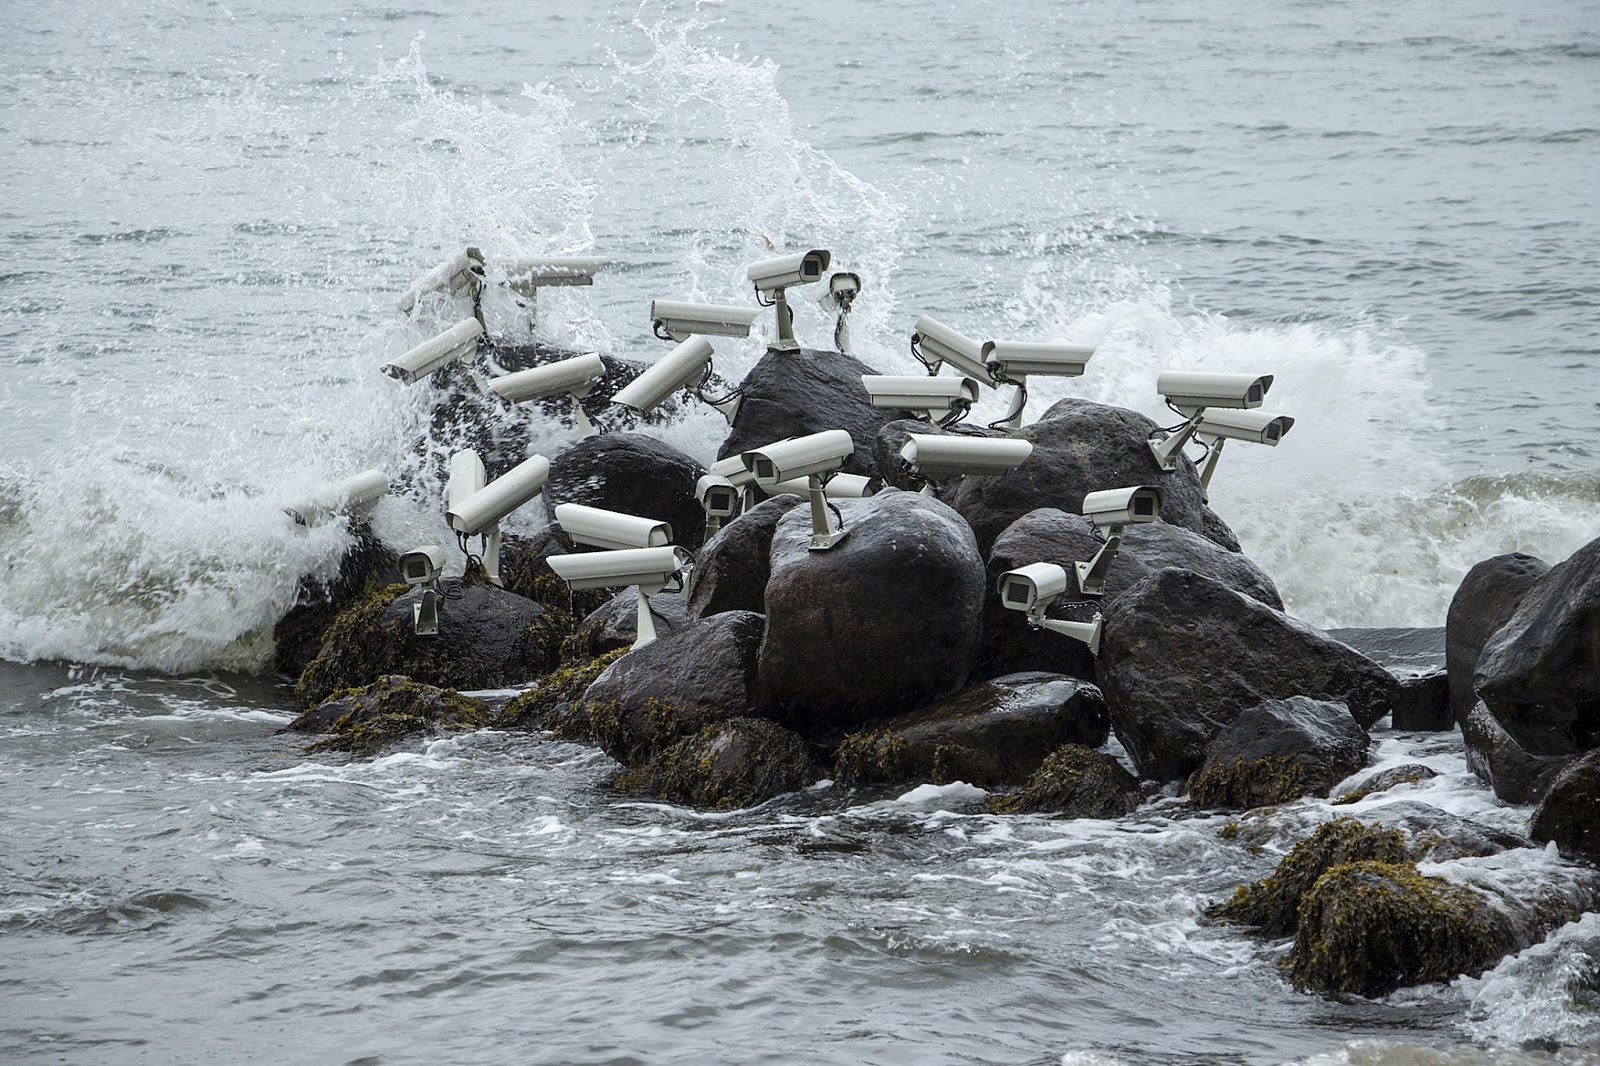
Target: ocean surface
[206, 212]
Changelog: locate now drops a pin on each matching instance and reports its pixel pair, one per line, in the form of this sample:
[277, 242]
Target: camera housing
[935, 344]
[1015, 360]
[460, 273]
[677, 320]
[810, 457]
[837, 487]
[774, 276]
[719, 498]
[933, 457]
[456, 344]
[575, 377]
[650, 569]
[476, 509]
[1216, 428]
[1110, 510]
[600, 528]
[921, 394]
[1193, 391]
[682, 368]
[529, 274]
[421, 568]
[357, 494]
[1033, 588]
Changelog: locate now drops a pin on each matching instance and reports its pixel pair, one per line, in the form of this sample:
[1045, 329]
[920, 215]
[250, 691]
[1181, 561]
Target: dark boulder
[731, 571]
[371, 719]
[1416, 658]
[487, 638]
[884, 622]
[1485, 600]
[615, 624]
[994, 733]
[1080, 447]
[1384, 780]
[1515, 774]
[1539, 675]
[792, 394]
[676, 685]
[365, 567]
[1280, 750]
[556, 703]
[1074, 782]
[1569, 814]
[1183, 656]
[737, 763]
[634, 474]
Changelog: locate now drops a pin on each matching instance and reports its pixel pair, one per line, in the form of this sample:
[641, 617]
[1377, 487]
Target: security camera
[1033, 588]
[837, 487]
[575, 377]
[718, 498]
[934, 458]
[1110, 510]
[739, 476]
[600, 528]
[675, 320]
[775, 276]
[478, 511]
[811, 457]
[528, 275]
[355, 495]
[935, 343]
[843, 288]
[1016, 361]
[650, 569]
[456, 344]
[685, 367]
[1191, 393]
[459, 273]
[1216, 428]
[421, 568]
[926, 396]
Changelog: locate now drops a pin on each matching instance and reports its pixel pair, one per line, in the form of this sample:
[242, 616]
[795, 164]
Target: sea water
[207, 214]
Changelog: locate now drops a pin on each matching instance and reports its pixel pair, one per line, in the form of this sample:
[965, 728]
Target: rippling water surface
[207, 214]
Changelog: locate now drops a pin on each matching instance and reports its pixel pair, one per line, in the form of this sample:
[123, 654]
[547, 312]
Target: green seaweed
[395, 708]
[726, 765]
[1247, 783]
[1076, 782]
[549, 704]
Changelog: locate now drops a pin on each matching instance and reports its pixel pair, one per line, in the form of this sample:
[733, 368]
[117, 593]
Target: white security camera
[774, 276]
[1016, 361]
[678, 321]
[355, 495]
[456, 344]
[476, 509]
[651, 569]
[600, 528]
[685, 367]
[528, 275]
[719, 498]
[921, 394]
[739, 476]
[459, 273]
[935, 343]
[810, 457]
[1033, 588]
[843, 288]
[1216, 428]
[837, 487]
[1191, 393]
[575, 377]
[421, 568]
[934, 458]
[1110, 510]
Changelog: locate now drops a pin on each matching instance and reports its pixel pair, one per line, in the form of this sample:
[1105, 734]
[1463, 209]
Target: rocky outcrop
[1280, 750]
[1384, 780]
[488, 638]
[1080, 447]
[1416, 658]
[556, 703]
[615, 623]
[1569, 814]
[884, 622]
[365, 567]
[792, 394]
[373, 718]
[1485, 600]
[737, 763]
[1183, 656]
[634, 474]
[994, 733]
[731, 571]
[1515, 774]
[1074, 782]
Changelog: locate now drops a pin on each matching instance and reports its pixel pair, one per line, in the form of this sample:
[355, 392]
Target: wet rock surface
[792, 394]
[1416, 657]
[1484, 601]
[367, 566]
[1569, 814]
[615, 623]
[1280, 750]
[1074, 782]
[373, 718]
[731, 570]
[1516, 774]
[634, 474]
[737, 763]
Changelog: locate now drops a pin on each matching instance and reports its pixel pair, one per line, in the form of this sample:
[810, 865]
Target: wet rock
[1384, 780]
[737, 763]
[1183, 656]
[1280, 750]
[371, 719]
[1515, 774]
[556, 702]
[634, 474]
[1485, 600]
[1539, 675]
[488, 638]
[1416, 658]
[1074, 782]
[792, 394]
[884, 622]
[367, 566]
[1438, 835]
[1569, 814]
[731, 571]
[1080, 447]
[676, 685]
[615, 624]
[994, 733]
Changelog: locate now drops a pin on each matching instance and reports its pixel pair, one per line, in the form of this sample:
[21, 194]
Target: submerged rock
[367, 566]
[884, 622]
[731, 571]
[556, 702]
[993, 733]
[634, 474]
[737, 763]
[1384, 780]
[1074, 782]
[368, 720]
[1280, 750]
[1485, 600]
[1183, 656]
[1569, 814]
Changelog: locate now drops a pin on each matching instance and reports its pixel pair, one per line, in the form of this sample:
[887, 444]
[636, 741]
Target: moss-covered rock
[1272, 904]
[368, 720]
[1280, 750]
[368, 566]
[556, 702]
[1383, 781]
[615, 624]
[1248, 783]
[737, 763]
[1372, 927]
[1074, 782]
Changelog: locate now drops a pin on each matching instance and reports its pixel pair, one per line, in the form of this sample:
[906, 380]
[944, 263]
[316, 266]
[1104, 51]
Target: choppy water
[206, 215]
